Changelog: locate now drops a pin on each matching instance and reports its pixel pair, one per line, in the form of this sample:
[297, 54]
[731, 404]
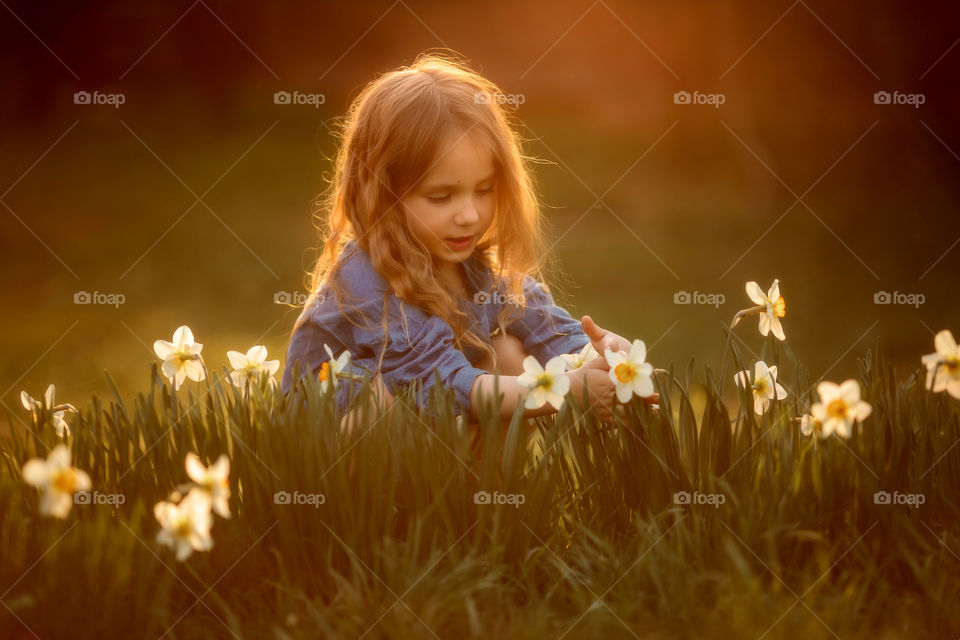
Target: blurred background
[686, 148]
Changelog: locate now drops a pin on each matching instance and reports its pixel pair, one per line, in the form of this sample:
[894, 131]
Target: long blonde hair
[389, 138]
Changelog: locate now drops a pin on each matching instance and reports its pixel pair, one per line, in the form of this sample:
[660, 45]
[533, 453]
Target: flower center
[182, 527]
[324, 371]
[544, 380]
[952, 365]
[625, 372]
[837, 409]
[780, 307]
[761, 386]
[65, 481]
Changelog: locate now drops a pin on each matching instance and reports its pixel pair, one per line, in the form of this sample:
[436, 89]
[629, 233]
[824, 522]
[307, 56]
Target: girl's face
[453, 205]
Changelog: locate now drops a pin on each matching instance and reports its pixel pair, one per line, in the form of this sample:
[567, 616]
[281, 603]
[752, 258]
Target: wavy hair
[390, 137]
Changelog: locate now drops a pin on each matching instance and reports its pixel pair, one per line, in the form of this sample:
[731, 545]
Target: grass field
[702, 520]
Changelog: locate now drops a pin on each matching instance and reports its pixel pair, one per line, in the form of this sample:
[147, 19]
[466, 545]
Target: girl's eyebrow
[431, 187]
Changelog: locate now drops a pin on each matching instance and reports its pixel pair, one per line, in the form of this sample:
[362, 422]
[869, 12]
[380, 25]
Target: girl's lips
[459, 243]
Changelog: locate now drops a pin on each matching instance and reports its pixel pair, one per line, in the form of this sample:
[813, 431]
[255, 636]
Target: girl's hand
[601, 392]
[603, 339]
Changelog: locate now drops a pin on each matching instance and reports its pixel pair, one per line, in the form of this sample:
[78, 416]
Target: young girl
[433, 232]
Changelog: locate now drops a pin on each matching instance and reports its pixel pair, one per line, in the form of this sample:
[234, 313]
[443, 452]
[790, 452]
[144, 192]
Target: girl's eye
[438, 199]
[485, 191]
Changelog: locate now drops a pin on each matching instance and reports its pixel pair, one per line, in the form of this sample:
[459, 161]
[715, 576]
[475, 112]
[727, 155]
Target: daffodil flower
[185, 526]
[57, 481]
[577, 360]
[764, 386]
[213, 480]
[332, 368]
[181, 358]
[839, 407]
[943, 366]
[630, 373]
[811, 426]
[35, 407]
[251, 366]
[544, 384]
[771, 307]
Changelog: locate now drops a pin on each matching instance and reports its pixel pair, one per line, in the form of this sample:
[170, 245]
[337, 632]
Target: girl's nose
[468, 214]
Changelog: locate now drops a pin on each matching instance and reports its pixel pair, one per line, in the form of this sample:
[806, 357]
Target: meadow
[699, 520]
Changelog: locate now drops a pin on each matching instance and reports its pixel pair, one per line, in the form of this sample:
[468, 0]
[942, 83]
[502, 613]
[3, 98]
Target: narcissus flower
[544, 384]
[810, 426]
[764, 386]
[57, 481]
[772, 307]
[181, 358]
[577, 360]
[35, 407]
[630, 373]
[839, 407]
[213, 480]
[251, 367]
[332, 368]
[943, 366]
[185, 526]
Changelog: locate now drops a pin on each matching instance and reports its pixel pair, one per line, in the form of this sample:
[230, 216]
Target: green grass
[399, 548]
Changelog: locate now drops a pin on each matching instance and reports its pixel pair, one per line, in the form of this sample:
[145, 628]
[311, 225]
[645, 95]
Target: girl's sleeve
[547, 330]
[418, 347]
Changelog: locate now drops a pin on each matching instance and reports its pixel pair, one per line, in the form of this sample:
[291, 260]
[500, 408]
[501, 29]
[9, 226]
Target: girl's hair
[391, 136]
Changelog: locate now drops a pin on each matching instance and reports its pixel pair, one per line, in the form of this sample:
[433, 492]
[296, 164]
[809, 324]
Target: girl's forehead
[461, 157]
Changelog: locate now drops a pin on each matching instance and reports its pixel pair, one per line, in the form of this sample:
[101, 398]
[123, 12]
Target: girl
[433, 232]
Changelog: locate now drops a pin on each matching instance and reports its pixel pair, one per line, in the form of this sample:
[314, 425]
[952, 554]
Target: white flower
[544, 384]
[331, 368]
[630, 373]
[251, 366]
[185, 526]
[181, 358]
[764, 386]
[577, 360]
[57, 481]
[810, 426]
[943, 367]
[839, 407]
[213, 480]
[35, 406]
[774, 307]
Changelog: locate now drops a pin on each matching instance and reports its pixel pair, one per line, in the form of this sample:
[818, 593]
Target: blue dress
[418, 343]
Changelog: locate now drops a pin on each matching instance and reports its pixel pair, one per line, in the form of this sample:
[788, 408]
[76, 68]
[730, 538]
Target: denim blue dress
[417, 344]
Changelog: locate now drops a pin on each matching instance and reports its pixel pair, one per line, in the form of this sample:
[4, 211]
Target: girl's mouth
[458, 244]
